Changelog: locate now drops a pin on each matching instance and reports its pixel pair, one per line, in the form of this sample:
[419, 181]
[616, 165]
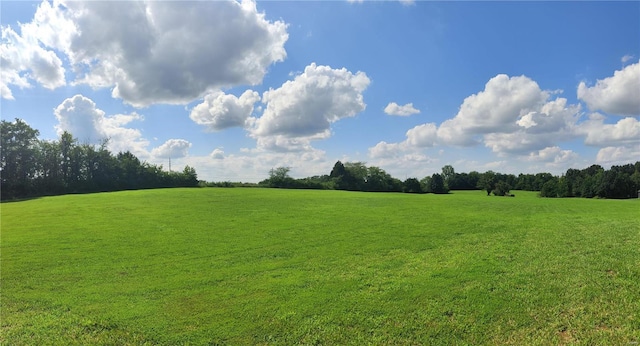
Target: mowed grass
[267, 266]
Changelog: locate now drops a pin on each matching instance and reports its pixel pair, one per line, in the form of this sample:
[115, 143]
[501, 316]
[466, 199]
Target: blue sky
[237, 88]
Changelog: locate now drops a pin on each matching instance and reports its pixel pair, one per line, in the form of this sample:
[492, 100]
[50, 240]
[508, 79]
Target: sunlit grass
[268, 266]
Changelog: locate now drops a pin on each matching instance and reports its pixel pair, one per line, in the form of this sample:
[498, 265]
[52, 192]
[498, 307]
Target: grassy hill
[268, 266]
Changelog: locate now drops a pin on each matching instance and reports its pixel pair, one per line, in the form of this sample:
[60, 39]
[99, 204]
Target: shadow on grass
[22, 199]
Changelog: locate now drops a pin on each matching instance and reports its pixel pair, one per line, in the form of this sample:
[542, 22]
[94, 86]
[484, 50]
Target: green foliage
[279, 177]
[425, 183]
[487, 182]
[436, 184]
[412, 185]
[550, 189]
[32, 167]
[18, 154]
[283, 267]
[356, 176]
[619, 182]
[448, 176]
[501, 189]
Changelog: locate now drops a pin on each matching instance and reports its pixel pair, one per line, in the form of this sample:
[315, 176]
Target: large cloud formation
[131, 46]
[514, 117]
[618, 94]
[496, 109]
[79, 116]
[23, 60]
[172, 148]
[304, 108]
[219, 111]
[511, 116]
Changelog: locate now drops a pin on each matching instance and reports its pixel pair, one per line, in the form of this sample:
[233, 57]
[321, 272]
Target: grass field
[268, 266]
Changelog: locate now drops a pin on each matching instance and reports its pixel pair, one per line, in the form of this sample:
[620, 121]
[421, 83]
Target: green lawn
[267, 266]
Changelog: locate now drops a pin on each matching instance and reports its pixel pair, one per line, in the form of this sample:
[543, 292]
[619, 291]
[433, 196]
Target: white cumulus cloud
[152, 52]
[624, 132]
[417, 138]
[423, 136]
[304, 108]
[618, 94]
[217, 154]
[554, 155]
[283, 144]
[495, 109]
[512, 115]
[79, 116]
[618, 155]
[24, 59]
[172, 148]
[387, 150]
[394, 109]
[219, 111]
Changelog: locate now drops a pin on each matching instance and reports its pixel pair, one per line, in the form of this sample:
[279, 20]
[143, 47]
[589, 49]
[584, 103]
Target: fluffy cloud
[304, 108]
[282, 144]
[395, 109]
[625, 132]
[553, 155]
[387, 150]
[131, 46]
[217, 154]
[23, 59]
[220, 111]
[615, 95]
[79, 116]
[551, 123]
[422, 136]
[618, 142]
[417, 138]
[495, 109]
[51, 26]
[173, 148]
[618, 155]
[512, 115]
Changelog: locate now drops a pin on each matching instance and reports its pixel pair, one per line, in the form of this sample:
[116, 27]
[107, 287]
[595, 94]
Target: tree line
[594, 181]
[31, 167]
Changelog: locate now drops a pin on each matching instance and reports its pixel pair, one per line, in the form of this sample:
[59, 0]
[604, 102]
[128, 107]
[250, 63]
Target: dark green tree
[437, 184]
[412, 185]
[342, 178]
[550, 188]
[487, 181]
[338, 170]
[448, 175]
[18, 155]
[425, 184]
[279, 177]
[501, 188]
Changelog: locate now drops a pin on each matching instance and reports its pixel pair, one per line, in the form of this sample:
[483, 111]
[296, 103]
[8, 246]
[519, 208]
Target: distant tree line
[595, 181]
[32, 167]
[617, 182]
